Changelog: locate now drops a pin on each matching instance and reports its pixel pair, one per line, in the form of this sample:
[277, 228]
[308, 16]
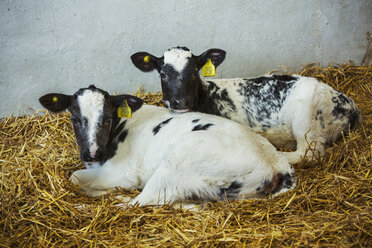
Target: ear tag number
[124, 111]
[208, 69]
[146, 59]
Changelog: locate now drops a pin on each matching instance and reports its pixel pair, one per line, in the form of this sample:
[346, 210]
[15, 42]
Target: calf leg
[98, 181]
[167, 186]
[307, 148]
[307, 129]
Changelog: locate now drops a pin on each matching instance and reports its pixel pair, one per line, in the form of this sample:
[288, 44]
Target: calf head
[94, 118]
[179, 74]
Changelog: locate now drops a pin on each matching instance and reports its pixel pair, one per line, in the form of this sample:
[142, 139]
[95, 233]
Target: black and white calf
[171, 157]
[292, 111]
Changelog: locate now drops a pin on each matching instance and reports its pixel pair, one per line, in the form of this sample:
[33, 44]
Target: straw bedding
[330, 207]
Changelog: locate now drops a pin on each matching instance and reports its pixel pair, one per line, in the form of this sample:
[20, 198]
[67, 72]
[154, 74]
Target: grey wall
[60, 46]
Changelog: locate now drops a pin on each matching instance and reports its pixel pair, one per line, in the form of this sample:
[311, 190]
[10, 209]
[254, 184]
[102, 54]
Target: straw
[330, 207]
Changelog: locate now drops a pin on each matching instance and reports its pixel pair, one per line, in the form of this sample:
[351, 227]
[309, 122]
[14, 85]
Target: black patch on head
[117, 131]
[92, 88]
[180, 87]
[123, 135]
[214, 100]
[157, 128]
[104, 127]
[168, 76]
[196, 120]
[179, 47]
[264, 98]
[230, 192]
[202, 127]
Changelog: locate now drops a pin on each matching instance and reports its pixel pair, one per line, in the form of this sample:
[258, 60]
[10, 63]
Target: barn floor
[330, 207]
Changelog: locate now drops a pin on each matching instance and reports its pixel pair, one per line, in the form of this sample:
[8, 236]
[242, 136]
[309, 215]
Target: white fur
[91, 106]
[295, 123]
[178, 163]
[178, 58]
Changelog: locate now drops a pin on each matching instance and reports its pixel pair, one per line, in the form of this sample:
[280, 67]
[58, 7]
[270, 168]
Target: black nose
[86, 157]
[176, 103]
[180, 104]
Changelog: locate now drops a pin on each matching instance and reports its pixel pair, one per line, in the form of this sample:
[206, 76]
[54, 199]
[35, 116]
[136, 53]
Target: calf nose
[180, 104]
[86, 157]
[176, 103]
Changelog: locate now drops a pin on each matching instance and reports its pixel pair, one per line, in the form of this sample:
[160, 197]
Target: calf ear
[133, 102]
[217, 56]
[145, 61]
[55, 102]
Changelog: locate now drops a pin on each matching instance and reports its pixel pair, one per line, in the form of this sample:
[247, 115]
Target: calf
[292, 111]
[171, 157]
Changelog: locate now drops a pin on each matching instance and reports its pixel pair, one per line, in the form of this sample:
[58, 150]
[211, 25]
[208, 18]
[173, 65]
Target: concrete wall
[60, 46]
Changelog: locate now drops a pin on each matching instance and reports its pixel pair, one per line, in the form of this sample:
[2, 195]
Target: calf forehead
[178, 58]
[91, 104]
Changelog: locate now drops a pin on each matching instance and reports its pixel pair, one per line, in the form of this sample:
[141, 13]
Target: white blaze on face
[91, 107]
[178, 58]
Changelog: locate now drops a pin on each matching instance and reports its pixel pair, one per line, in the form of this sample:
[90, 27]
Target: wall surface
[61, 46]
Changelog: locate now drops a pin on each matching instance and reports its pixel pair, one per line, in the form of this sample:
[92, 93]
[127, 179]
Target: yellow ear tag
[208, 69]
[124, 111]
[55, 99]
[146, 59]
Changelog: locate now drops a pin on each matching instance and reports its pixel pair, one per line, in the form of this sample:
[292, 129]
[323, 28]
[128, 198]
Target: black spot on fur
[288, 181]
[342, 105]
[345, 108]
[230, 192]
[156, 129]
[179, 47]
[284, 78]
[202, 127]
[319, 117]
[196, 120]
[264, 98]
[123, 135]
[213, 100]
[321, 121]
